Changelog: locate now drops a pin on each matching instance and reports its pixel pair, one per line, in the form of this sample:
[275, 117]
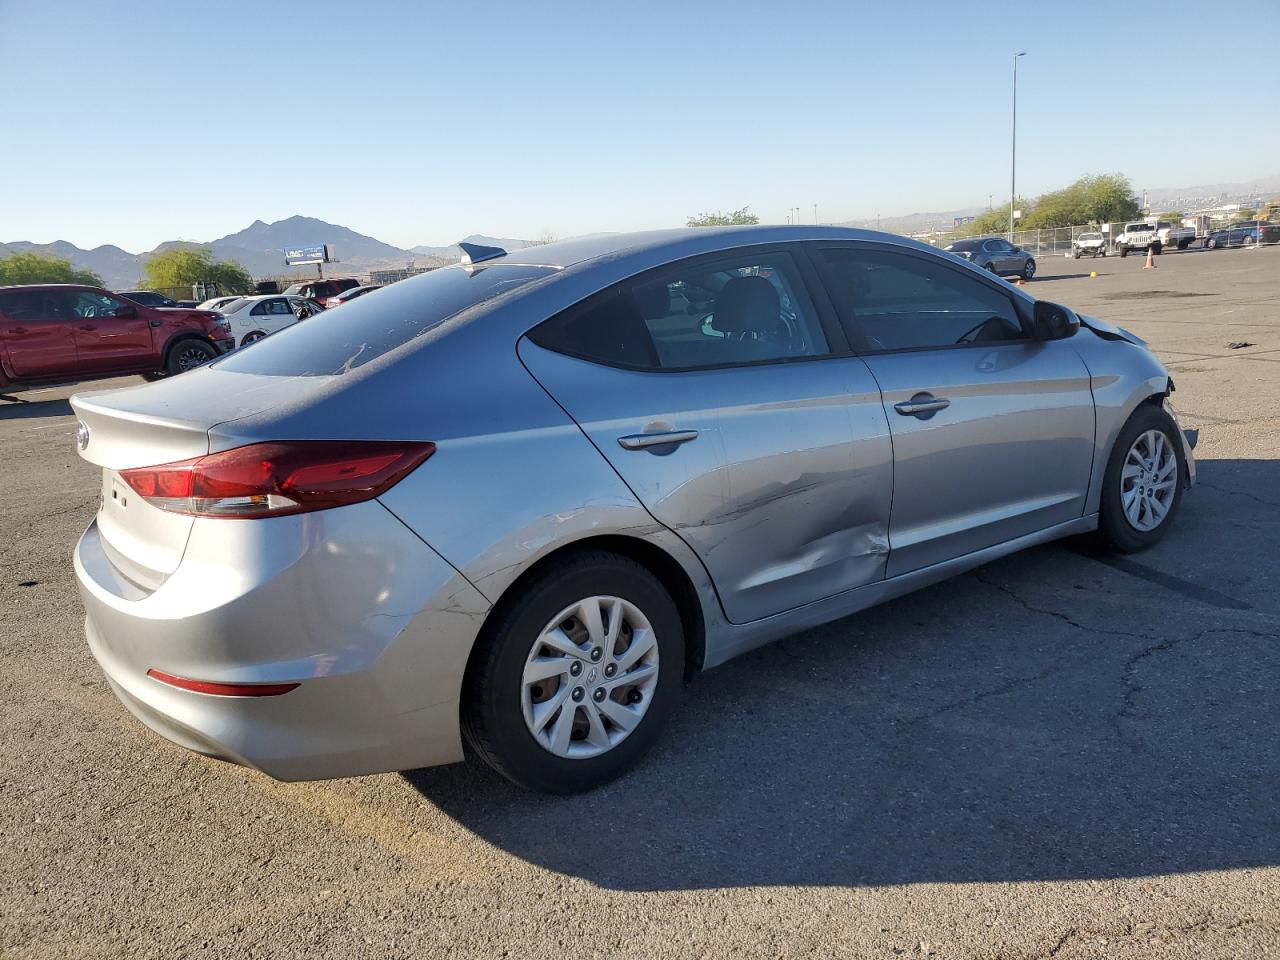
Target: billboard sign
[301, 255]
[960, 221]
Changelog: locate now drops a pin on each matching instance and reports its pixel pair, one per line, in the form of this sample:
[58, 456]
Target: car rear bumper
[373, 626]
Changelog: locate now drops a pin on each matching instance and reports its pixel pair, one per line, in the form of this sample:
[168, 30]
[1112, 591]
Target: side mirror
[1053, 321]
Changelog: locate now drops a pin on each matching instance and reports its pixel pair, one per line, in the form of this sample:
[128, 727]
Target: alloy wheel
[589, 677]
[1148, 480]
[190, 358]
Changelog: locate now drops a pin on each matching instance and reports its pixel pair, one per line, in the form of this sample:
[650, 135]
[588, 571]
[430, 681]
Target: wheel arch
[653, 558]
[177, 338]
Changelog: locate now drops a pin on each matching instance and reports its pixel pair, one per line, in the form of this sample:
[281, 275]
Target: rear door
[736, 415]
[36, 330]
[110, 333]
[992, 432]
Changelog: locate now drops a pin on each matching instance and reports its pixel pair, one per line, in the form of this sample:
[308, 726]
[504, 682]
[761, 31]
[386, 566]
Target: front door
[111, 334]
[993, 432]
[37, 334]
[722, 401]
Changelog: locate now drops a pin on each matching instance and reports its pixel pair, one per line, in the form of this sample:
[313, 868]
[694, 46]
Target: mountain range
[260, 248]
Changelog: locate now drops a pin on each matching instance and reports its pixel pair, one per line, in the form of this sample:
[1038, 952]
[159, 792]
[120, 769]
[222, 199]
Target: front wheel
[1124, 252]
[1211, 244]
[1142, 486]
[575, 679]
[187, 355]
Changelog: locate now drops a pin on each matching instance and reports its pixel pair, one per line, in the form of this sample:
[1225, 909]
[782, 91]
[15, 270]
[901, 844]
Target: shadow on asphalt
[20, 410]
[1047, 717]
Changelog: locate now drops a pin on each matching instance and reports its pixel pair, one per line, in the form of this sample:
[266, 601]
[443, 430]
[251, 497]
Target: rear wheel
[575, 679]
[1142, 487]
[1028, 269]
[187, 355]
[252, 338]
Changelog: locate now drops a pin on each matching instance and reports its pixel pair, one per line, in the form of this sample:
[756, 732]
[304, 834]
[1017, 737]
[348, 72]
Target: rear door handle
[638, 441]
[922, 405]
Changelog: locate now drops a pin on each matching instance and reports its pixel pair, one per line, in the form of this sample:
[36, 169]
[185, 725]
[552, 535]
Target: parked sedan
[995, 255]
[520, 500]
[252, 318]
[346, 296]
[148, 298]
[1089, 245]
[1244, 234]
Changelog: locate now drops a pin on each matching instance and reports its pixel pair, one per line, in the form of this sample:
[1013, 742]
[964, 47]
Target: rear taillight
[278, 478]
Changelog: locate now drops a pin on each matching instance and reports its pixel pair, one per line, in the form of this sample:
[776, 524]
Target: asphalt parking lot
[1058, 755]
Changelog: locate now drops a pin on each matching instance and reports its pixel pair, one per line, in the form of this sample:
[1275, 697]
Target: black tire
[492, 719]
[1211, 244]
[1114, 530]
[183, 354]
[154, 376]
[991, 268]
[1124, 252]
[1029, 269]
[1075, 254]
[253, 337]
[1157, 248]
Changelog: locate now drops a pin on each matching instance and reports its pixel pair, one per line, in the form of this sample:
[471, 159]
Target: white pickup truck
[1143, 234]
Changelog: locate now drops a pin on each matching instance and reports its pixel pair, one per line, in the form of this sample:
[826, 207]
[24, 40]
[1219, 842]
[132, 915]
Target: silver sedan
[520, 501]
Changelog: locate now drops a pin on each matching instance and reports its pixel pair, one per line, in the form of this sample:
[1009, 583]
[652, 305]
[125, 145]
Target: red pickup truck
[54, 333]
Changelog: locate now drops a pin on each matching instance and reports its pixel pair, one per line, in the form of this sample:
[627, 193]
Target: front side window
[82, 303]
[738, 310]
[902, 302]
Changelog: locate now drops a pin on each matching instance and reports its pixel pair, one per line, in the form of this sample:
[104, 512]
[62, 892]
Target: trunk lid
[153, 424]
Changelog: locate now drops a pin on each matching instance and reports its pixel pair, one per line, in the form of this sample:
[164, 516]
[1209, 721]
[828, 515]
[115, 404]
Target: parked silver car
[522, 499]
[995, 255]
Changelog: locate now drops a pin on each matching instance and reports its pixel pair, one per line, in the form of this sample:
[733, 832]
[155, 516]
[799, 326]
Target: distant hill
[454, 252]
[260, 248]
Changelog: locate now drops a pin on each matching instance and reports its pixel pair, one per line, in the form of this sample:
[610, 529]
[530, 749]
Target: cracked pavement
[1056, 755]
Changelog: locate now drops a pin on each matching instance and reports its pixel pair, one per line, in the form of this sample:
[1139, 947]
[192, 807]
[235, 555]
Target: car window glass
[279, 308]
[83, 303]
[904, 302]
[336, 341]
[748, 309]
[23, 304]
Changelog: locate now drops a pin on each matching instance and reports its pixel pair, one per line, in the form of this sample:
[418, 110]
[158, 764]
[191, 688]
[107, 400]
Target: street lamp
[1013, 164]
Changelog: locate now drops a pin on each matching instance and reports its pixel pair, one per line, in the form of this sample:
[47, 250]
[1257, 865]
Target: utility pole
[1013, 157]
[815, 214]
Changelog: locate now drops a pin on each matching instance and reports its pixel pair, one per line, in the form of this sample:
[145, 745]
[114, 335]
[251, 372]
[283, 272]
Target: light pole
[1013, 159]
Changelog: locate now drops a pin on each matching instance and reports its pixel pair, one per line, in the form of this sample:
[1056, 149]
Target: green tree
[731, 219]
[1097, 198]
[183, 266]
[995, 221]
[41, 268]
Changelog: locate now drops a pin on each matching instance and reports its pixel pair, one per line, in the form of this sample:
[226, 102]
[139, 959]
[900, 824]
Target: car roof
[679, 242]
[49, 286]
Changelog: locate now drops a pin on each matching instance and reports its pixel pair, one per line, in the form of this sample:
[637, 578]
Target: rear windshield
[336, 341]
[294, 288]
[964, 245]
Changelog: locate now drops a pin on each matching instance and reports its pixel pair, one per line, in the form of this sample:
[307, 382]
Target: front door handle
[638, 441]
[922, 405]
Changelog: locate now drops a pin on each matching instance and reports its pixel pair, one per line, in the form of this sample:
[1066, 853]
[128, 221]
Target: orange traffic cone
[1151, 260]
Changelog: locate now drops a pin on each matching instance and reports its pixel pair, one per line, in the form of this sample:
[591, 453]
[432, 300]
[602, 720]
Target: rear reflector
[278, 478]
[222, 689]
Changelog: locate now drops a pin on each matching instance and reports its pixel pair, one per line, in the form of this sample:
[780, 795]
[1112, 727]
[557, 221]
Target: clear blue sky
[137, 121]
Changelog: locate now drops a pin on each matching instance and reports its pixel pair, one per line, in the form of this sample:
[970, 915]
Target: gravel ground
[1059, 754]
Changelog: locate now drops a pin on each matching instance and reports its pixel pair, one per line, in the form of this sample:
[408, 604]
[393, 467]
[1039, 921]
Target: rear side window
[335, 341]
[751, 308]
[903, 302]
[22, 304]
